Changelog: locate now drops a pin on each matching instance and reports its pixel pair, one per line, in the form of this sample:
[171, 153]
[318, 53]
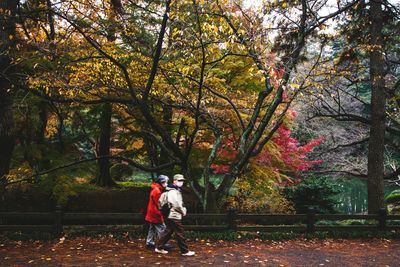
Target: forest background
[272, 107]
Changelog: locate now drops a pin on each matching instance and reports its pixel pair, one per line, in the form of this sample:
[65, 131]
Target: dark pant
[173, 226]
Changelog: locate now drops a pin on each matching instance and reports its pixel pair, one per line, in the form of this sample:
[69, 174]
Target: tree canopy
[199, 87]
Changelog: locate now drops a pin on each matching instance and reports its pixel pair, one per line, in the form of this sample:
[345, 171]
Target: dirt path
[107, 251]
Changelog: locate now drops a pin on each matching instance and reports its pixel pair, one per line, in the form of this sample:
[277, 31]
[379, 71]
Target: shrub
[393, 201]
[258, 191]
[129, 184]
[317, 192]
[120, 171]
[61, 187]
[393, 197]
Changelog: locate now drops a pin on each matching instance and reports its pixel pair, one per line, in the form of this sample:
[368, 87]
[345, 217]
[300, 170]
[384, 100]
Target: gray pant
[155, 231]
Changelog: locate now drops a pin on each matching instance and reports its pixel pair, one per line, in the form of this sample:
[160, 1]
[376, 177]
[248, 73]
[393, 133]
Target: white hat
[179, 177]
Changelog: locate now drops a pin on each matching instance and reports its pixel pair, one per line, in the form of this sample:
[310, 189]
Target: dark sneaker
[167, 247]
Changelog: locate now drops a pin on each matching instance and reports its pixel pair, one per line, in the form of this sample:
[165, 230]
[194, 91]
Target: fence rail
[58, 221]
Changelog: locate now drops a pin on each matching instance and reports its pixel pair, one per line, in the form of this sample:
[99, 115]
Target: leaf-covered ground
[108, 251]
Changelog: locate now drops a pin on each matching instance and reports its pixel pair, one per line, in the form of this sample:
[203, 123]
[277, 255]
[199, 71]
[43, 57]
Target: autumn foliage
[204, 88]
[283, 153]
[280, 163]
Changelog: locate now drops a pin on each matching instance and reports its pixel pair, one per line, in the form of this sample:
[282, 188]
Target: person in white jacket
[174, 221]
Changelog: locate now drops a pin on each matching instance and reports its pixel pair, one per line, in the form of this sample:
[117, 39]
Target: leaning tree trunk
[104, 177]
[378, 99]
[7, 43]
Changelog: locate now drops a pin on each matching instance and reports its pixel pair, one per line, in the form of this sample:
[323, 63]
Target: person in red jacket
[154, 216]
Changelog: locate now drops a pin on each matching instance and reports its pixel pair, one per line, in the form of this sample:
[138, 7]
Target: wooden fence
[58, 221]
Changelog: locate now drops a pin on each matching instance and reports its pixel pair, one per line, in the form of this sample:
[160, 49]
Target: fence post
[231, 219]
[310, 220]
[382, 216]
[3, 220]
[58, 224]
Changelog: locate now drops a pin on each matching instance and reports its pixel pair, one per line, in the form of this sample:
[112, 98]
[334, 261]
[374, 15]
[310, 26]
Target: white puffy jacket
[176, 203]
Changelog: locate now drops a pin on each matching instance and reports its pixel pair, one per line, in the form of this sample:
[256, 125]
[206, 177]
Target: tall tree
[103, 150]
[104, 142]
[378, 119]
[7, 83]
[352, 86]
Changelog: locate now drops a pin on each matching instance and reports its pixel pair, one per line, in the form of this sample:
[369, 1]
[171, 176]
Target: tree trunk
[7, 44]
[167, 123]
[6, 130]
[378, 99]
[43, 120]
[213, 205]
[104, 177]
[151, 150]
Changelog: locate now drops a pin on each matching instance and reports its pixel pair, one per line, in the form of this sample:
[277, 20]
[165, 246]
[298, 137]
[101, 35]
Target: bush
[76, 197]
[120, 171]
[60, 187]
[393, 201]
[317, 192]
[129, 184]
[257, 191]
[347, 222]
[394, 209]
[393, 197]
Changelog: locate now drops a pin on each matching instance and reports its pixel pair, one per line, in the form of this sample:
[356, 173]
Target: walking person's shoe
[189, 253]
[161, 251]
[167, 247]
[149, 245]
